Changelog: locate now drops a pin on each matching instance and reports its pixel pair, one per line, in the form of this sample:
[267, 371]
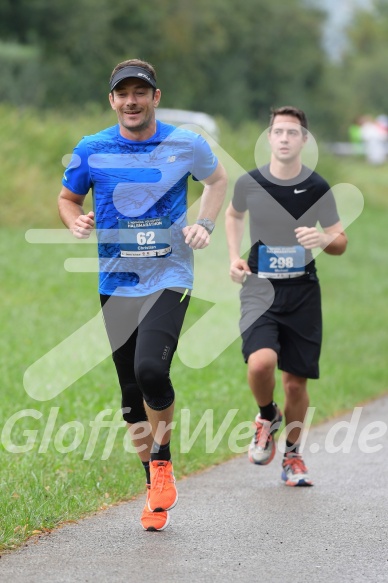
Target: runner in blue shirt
[138, 173]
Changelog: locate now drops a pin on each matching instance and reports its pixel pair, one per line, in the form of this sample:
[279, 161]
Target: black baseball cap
[132, 71]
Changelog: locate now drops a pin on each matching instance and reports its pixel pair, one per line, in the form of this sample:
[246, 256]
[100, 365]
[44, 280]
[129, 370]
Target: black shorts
[287, 318]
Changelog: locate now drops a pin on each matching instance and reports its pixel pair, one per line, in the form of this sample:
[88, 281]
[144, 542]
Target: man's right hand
[83, 226]
[239, 270]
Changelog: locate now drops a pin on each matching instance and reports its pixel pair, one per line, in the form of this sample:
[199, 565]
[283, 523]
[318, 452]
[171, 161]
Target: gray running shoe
[262, 448]
[295, 472]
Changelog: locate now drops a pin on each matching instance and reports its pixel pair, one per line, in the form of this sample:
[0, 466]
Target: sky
[339, 15]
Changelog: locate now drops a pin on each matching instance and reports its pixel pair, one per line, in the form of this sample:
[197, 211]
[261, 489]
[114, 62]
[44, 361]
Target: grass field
[49, 481]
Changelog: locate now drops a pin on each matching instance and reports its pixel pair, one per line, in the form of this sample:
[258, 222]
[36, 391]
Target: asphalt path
[239, 522]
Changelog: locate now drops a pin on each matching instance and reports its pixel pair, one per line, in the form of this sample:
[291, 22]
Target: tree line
[229, 58]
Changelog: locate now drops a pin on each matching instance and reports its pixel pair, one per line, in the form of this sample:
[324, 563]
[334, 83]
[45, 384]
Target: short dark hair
[134, 63]
[292, 111]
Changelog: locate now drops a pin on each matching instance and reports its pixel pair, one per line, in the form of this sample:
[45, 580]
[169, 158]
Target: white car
[180, 117]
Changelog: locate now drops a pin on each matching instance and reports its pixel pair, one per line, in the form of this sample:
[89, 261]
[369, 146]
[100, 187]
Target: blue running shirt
[134, 185]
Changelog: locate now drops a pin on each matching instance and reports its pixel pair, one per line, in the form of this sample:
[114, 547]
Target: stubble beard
[144, 125]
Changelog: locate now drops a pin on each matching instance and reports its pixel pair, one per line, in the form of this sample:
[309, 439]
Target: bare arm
[212, 199]
[333, 240]
[72, 214]
[234, 224]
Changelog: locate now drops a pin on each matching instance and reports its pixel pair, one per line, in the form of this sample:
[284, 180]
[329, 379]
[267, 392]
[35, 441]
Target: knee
[261, 367]
[150, 372]
[154, 380]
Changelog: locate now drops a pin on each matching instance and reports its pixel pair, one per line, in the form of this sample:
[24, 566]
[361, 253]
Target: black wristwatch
[207, 224]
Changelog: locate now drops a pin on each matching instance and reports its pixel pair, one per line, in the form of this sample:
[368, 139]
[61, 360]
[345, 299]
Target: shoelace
[160, 477]
[296, 464]
[263, 433]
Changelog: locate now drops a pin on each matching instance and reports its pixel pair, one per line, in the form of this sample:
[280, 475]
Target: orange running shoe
[163, 493]
[153, 521]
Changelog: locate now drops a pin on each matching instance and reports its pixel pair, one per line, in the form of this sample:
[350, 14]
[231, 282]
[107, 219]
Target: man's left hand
[196, 236]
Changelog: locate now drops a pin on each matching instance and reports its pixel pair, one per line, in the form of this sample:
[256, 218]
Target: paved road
[239, 522]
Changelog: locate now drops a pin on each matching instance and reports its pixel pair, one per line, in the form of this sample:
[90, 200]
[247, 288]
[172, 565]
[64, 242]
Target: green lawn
[43, 304]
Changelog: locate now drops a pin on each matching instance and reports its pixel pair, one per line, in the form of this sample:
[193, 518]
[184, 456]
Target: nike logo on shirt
[296, 191]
